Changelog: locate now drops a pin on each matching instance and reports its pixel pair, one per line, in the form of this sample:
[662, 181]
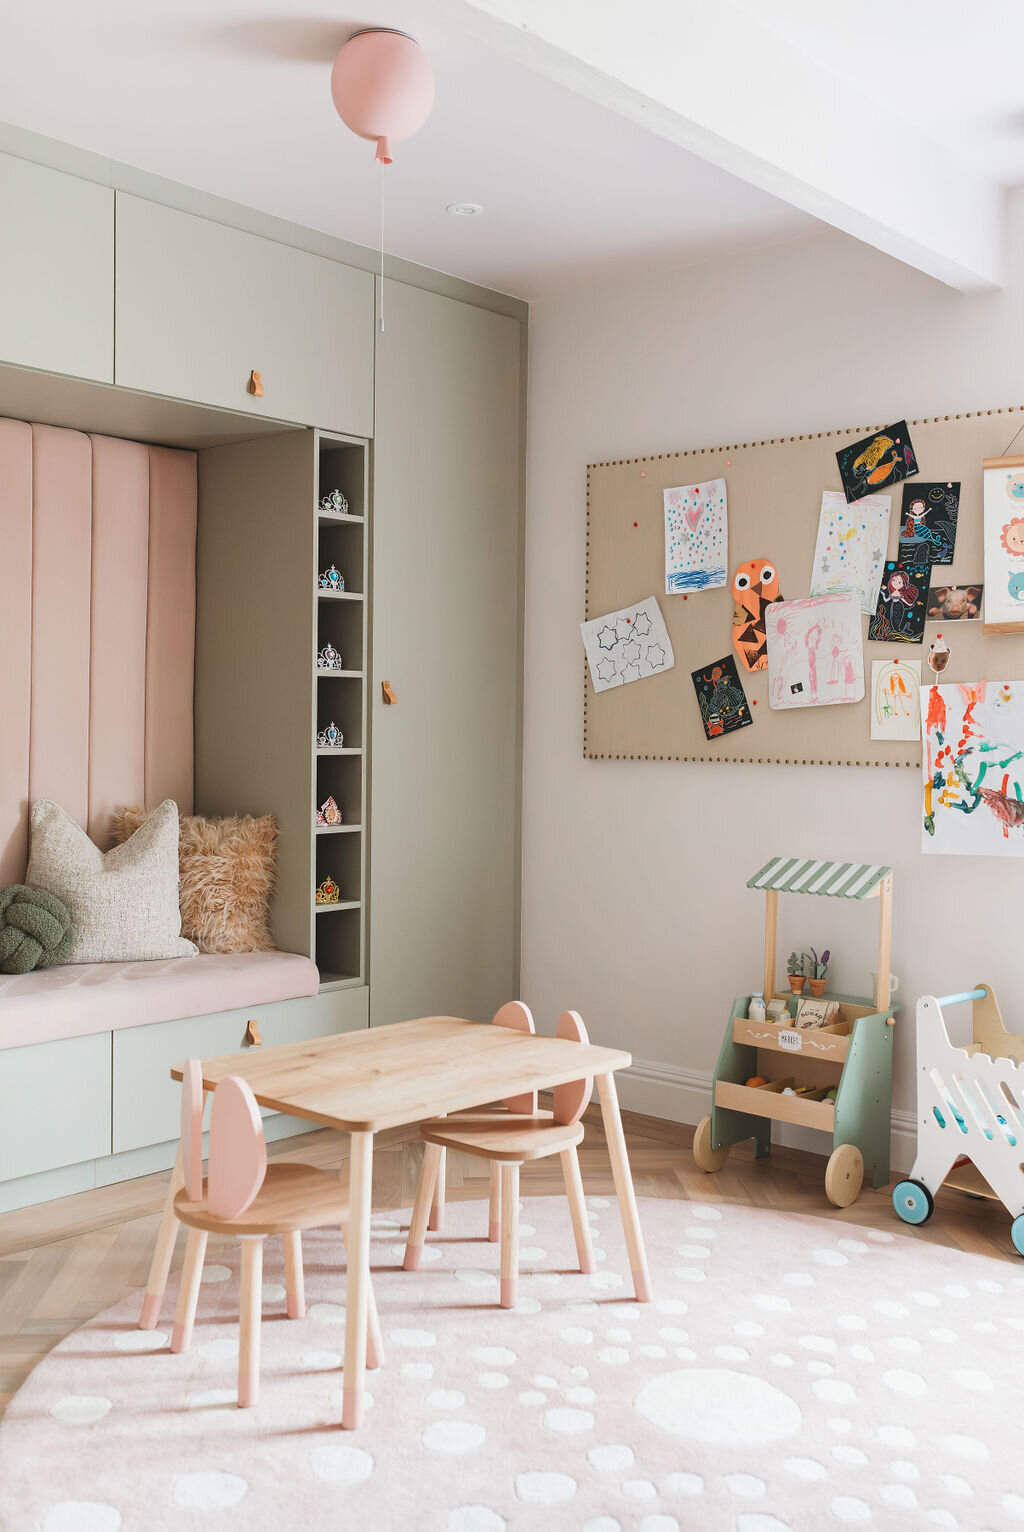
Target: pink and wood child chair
[507, 1137]
[250, 1199]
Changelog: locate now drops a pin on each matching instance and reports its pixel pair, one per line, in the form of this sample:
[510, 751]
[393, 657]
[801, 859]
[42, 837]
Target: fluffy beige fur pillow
[226, 873]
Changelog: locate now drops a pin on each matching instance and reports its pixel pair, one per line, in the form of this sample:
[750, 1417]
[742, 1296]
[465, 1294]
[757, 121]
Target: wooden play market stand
[853, 1055]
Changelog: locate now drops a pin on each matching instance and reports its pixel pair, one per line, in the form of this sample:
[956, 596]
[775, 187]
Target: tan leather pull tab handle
[252, 1035]
[387, 693]
[256, 384]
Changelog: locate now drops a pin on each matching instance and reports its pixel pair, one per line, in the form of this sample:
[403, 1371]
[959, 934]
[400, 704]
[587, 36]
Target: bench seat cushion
[80, 998]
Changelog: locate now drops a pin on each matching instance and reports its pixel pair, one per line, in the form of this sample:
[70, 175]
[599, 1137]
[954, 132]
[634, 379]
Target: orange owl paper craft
[755, 586]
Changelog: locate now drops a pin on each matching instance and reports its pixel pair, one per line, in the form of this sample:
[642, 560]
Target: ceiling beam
[711, 77]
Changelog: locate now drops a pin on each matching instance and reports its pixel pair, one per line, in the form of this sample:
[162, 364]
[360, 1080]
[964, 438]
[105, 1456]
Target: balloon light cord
[382, 173]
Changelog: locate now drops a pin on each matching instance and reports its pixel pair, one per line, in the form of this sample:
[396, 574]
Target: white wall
[635, 909]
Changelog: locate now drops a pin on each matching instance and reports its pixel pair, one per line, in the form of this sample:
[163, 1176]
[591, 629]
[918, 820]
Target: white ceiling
[950, 67]
[233, 97]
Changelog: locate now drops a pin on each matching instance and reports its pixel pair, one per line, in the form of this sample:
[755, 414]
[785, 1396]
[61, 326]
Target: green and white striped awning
[837, 880]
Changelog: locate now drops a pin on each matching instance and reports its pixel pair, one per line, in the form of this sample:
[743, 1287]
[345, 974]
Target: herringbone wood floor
[65, 1261]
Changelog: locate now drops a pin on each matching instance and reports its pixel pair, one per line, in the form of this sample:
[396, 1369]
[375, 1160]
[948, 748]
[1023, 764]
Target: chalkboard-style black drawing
[869, 465]
[902, 604]
[722, 700]
[928, 527]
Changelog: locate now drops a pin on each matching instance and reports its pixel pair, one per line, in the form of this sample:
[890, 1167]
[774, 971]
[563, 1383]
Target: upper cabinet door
[56, 271]
[201, 307]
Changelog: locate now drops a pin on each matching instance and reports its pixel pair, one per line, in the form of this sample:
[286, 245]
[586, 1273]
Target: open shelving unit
[261, 699]
[338, 938]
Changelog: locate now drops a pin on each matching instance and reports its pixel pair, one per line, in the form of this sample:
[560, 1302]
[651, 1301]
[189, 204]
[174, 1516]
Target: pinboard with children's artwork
[807, 591]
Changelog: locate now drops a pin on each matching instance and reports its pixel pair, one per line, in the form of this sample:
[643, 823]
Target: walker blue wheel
[1017, 1233]
[913, 1202]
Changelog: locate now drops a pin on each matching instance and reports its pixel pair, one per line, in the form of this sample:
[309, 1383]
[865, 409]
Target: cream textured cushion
[123, 903]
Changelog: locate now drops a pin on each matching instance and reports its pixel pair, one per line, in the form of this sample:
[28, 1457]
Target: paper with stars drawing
[627, 645]
[850, 551]
[696, 536]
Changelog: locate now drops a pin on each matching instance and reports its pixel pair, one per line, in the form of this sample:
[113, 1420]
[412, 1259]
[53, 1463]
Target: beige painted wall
[635, 910]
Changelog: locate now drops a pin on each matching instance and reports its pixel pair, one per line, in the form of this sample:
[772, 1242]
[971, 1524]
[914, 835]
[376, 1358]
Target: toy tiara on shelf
[329, 659]
[334, 504]
[332, 579]
[330, 738]
[328, 892]
[328, 813]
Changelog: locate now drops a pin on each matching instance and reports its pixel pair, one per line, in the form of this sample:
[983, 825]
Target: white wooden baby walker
[970, 1112]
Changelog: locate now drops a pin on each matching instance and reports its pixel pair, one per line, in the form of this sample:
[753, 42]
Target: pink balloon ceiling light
[383, 87]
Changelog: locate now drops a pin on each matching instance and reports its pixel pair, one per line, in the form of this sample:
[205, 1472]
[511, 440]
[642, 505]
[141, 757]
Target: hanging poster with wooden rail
[775, 491]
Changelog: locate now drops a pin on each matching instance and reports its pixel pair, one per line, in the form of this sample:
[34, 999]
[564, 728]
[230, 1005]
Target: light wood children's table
[389, 1077]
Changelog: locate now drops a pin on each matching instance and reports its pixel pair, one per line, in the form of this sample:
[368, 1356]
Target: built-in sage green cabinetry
[444, 760]
[201, 307]
[56, 271]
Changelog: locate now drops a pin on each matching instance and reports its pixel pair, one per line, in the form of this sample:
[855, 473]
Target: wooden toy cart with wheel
[970, 1112]
[852, 1056]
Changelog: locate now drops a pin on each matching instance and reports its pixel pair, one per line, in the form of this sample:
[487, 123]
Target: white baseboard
[684, 1095]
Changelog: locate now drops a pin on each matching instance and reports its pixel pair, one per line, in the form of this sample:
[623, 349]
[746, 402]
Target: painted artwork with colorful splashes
[696, 537]
[1004, 546]
[973, 764]
[850, 550]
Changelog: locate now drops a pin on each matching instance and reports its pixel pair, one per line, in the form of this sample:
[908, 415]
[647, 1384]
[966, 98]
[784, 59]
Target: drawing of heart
[693, 515]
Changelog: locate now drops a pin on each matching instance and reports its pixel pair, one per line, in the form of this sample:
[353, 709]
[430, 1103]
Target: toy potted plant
[819, 970]
[795, 970]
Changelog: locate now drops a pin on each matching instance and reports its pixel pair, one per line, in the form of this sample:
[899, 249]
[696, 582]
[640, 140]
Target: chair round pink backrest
[238, 1150]
[192, 1128]
[571, 1100]
[516, 1016]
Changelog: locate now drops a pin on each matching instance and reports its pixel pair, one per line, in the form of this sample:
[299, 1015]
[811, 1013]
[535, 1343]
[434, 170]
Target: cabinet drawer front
[56, 271]
[147, 1102]
[201, 306]
[54, 1104]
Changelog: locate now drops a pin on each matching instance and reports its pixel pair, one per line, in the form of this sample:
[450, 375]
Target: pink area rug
[792, 1375]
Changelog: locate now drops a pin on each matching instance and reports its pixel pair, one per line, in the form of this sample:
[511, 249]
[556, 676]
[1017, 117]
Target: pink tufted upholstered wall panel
[117, 655]
[58, 758]
[97, 622]
[16, 631]
[171, 644]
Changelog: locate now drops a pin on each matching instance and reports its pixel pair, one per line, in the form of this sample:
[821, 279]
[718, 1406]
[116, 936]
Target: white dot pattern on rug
[225, 1349]
[82, 1516]
[326, 1313]
[213, 1399]
[475, 1518]
[778, 1393]
[570, 1422]
[80, 1409]
[719, 1407]
[454, 1436]
[341, 1465]
[545, 1488]
[141, 1340]
[211, 1491]
[216, 1274]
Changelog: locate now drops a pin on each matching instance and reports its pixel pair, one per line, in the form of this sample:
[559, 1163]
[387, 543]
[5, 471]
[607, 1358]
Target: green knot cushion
[35, 929]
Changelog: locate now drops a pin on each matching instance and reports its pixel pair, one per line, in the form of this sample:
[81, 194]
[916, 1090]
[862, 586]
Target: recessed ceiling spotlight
[464, 209]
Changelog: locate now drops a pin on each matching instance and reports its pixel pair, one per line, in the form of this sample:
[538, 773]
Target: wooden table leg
[624, 1187]
[494, 1205]
[357, 1245]
[161, 1263]
[436, 1220]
